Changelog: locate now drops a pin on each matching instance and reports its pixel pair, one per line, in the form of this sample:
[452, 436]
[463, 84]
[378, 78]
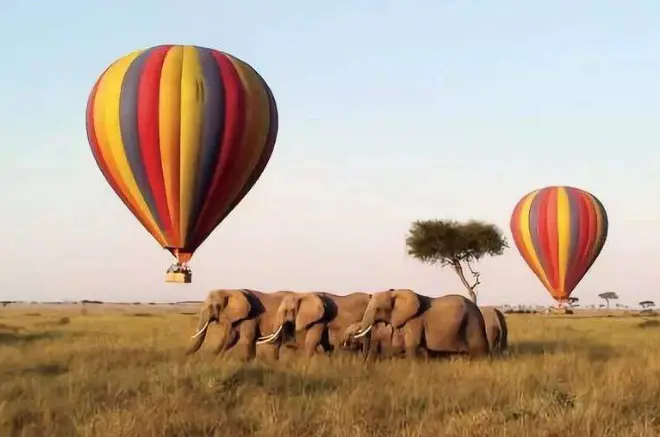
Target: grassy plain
[120, 371]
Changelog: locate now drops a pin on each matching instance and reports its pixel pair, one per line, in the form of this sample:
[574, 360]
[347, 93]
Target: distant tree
[647, 304]
[455, 244]
[572, 301]
[607, 296]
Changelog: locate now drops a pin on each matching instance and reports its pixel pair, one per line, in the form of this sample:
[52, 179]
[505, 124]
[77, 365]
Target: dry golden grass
[115, 372]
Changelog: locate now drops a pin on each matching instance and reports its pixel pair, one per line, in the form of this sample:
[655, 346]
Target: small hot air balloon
[559, 231]
[181, 133]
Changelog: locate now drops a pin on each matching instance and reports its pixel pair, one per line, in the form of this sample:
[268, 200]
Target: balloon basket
[179, 278]
[560, 311]
[178, 274]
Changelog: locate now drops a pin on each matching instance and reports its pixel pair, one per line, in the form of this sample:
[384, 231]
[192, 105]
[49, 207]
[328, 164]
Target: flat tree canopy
[647, 304]
[455, 244]
[607, 296]
[572, 300]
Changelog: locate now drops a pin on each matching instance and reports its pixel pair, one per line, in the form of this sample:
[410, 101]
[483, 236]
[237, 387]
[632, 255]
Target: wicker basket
[179, 277]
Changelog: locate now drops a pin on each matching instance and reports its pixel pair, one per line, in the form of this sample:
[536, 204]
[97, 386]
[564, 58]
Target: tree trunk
[466, 284]
[607, 302]
[473, 295]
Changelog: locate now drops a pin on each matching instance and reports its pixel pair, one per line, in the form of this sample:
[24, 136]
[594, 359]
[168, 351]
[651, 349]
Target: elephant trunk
[278, 324]
[367, 322]
[366, 348]
[200, 335]
[270, 338]
[286, 326]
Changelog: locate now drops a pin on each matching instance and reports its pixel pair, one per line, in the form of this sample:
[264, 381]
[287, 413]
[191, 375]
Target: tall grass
[124, 374]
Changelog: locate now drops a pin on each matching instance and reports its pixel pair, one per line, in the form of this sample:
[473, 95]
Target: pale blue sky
[389, 112]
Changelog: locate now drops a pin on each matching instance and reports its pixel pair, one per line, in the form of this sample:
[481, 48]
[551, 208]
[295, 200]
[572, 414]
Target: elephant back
[345, 310]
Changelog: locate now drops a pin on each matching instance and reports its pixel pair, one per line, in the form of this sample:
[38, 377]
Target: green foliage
[449, 242]
[608, 295]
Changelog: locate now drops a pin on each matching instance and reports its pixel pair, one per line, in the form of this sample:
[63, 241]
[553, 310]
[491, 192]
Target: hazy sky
[390, 111]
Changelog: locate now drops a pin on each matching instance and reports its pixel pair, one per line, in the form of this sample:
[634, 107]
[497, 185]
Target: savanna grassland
[121, 371]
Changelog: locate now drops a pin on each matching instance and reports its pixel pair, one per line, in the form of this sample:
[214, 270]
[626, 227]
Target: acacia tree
[455, 244]
[572, 301]
[607, 296]
[647, 304]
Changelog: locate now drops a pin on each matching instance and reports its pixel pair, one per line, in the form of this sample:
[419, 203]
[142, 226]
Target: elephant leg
[248, 339]
[313, 339]
[412, 338]
[228, 340]
[271, 351]
[475, 337]
[367, 348]
[411, 352]
[330, 340]
[386, 350]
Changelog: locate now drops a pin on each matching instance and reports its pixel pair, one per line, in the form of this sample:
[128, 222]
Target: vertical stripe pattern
[181, 134]
[559, 232]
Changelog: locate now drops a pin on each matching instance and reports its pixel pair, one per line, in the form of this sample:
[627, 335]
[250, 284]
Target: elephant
[381, 340]
[496, 329]
[313, 319]
[450, 324]
[242, 315]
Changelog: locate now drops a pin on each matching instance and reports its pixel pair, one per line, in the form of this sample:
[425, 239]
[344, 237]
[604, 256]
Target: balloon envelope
[559, 231]
[181, 134]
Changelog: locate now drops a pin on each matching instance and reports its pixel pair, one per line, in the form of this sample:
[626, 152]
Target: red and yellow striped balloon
[559, 231]
[181, 134]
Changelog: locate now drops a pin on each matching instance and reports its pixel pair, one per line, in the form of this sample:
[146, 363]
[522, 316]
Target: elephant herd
[395, 322]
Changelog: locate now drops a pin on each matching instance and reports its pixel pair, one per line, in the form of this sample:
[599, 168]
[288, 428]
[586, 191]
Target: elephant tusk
[201, 330]
[270, 338]
[363, 333]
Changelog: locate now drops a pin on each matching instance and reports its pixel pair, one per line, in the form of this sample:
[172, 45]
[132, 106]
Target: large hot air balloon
[181, 134]
[559, 231]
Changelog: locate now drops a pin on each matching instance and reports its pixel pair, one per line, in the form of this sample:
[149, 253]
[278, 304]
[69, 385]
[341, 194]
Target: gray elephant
[496, 329]
[310, 320]
[381, 340]
[243, 316]
[443, 325]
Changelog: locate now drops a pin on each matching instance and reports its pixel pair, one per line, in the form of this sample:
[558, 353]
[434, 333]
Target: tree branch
[475, 275]
[470, 288]
[459, 271]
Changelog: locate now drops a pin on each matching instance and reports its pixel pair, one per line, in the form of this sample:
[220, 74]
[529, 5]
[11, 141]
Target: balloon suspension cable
[178, 267]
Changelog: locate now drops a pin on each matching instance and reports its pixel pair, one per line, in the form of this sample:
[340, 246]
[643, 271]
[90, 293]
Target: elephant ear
[236, 306]
[405, 306]
[311, 309]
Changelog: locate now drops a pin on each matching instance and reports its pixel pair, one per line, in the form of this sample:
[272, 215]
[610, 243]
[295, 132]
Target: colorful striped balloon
[181, 134]
[559, 231]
